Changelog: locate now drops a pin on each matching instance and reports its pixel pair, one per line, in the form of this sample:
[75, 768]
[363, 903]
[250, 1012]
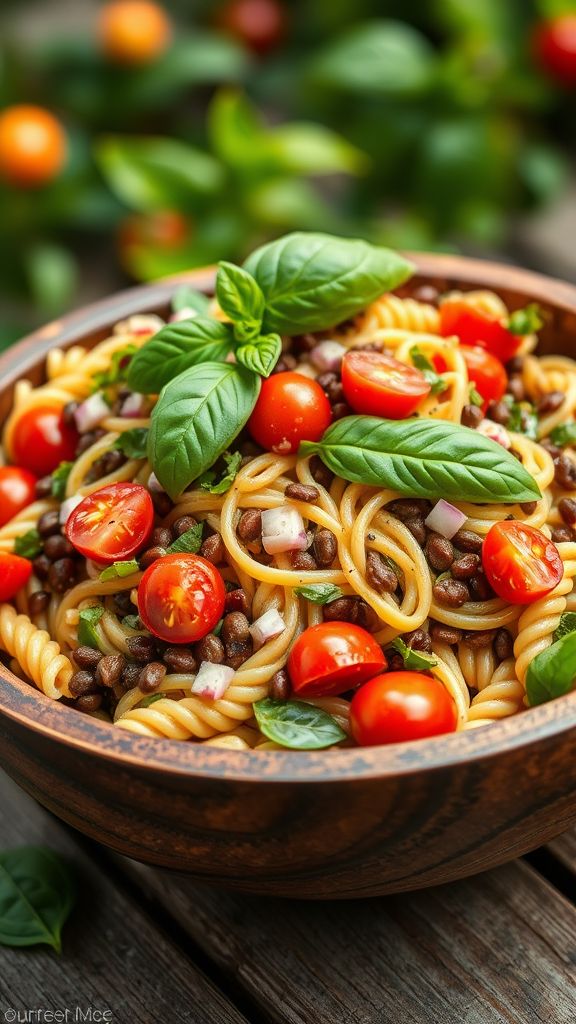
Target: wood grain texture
[564, 849]
[114, 957]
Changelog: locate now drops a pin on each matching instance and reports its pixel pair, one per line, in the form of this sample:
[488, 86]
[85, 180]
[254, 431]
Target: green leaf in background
[175, 348]
[261, 354]
[186, 297]
[133, 443]
[241, 299]
[37, 893]
[280, 203]
[382, 58]
[235, 129]
[53, 276]
[552, 672]
[59, 480]
[208, 481]
[119, 569]
[418, 661]
[29, 544]
[320, 593]
[297, 725]
[189, 542]
[308, 148]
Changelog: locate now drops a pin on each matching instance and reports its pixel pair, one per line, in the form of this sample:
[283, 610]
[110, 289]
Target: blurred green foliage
[420, 125]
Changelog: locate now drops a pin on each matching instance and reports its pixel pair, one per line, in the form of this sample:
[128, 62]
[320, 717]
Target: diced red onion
[90, 413]
[283, 530]
[67, 507]
[212, 680]
[495, 432]
[327, 356]
[140, 323]
[134, 406]
[183, 314]
[154, 484]
[269, 625]
[445, 519]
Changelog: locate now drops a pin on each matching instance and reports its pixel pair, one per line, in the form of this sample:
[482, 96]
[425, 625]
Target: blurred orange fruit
[259, 24]
[32, 145]
[134, 31]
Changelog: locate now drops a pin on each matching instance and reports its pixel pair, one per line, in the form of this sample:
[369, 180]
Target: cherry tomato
[32, 146]
[333, 657]
[17, 489]
[42, 440]
[259, 24]
[486, 373]
[401, 706]
[181, 598]
[290, 408]
[113, 523]
[14, 574]
[134, 31]
[555, 48]
[520, 563]
[475, 327]
[378, 385]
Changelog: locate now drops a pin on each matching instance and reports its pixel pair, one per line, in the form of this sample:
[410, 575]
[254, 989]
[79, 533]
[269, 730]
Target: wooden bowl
[357, 822]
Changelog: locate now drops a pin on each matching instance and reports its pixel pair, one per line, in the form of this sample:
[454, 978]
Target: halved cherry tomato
[401, 706]
[555, 48]
[42, 440]
[14, 574]
[521, 564]
[290, 408]
[475, 327]
[181, 598]
[113, 523]
[17, 489]
[486, 373]
[333, 657]
[378, 385]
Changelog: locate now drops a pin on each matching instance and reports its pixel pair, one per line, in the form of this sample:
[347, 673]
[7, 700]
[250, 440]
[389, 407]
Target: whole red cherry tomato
[42, 440]
[290, 408]
[401, 706]
[14, 574]
[333, 657]
[486, 373]
[378, 385]
[17, 489]
[520, 563]
[555, 48]
[181, 598]
[475, 327]
[259, 24]
[113, 523]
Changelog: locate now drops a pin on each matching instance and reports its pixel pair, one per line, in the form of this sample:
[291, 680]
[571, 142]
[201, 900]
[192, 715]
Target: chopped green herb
[89, 619]
[421, 362]
[525, 321]
[564, 434]
[566, 625]
[208, 482]
[59, 480]
[218, 628]
[189, 542]
[133, 442]
[132, 622]
[474, 396]
[319, 593]
[29, 545]
[118, 369]
[121, 569]
[416, 660]
[523, 418]
[147, 701]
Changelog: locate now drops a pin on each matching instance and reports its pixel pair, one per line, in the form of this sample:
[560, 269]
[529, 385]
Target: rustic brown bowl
[356, 822]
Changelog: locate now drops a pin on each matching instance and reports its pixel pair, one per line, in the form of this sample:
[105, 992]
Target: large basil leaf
[552, 672]
[241, 298]
[196, 418]
[295, 724]
[313, 281]
[261, 354]
[423, 458]
[37, 893]
[175, 348]
[566, 625]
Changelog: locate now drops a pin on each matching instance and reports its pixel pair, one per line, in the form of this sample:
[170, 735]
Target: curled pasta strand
[502, 696]
[39, 656]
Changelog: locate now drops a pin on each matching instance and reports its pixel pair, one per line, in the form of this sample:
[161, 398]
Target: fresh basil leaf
[564, 434]
[119, 569]
[314, 281]
[423, 458]
[523, 419]
[59, 480]
[260, 355]
[208, 481]
[132, 622]
[37, 893]
[295, 724]
[566, 625]
[526, 321]
[196, 418]
[552, 672]
[147, 701]
[118, 369]
[474, 396]
[189, 298]
[421, 362]
[133, 443]
[320, 593]
[88, 620]
[28, 545]
[189, 542]
[175, 348]
[417, 660]
[241, 298]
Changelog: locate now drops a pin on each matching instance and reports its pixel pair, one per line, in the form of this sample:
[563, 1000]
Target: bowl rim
[32, 710]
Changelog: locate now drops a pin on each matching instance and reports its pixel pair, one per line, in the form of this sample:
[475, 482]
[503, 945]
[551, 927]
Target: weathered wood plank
[564, 849]
[114, 958]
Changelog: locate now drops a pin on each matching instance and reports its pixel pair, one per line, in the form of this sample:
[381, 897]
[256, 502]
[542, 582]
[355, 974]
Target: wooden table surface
[151, 947]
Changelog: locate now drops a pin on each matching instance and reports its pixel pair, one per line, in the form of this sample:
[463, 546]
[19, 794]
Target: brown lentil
[234, 628]
[180, 526]
[553, 450]
[366, 616]
[516, 389]
[209, 648]
[515, 365]
[417, 528]
[237, 601]
[38, 602]
[62, 574]
[445, 634]
[301, 492]
[549, 402]
[250, 525]
[68, 413]
[161, 537]
[89, 702]
[81, 683]
[56, 546]
[41, 565]
[151, 555]
[451, 593]
[380, 576]
[340, 410]
[237, 652]
[465, 566]
[498, 412]
[467, 540]
[87, 657]
[213, 549]
[151, 677]
[529, 507]
[130, 674]
[409, 508]
[49, 523]
[109, 669]
[343, 609]
[567, 509]
[180, 659]
[503, 644]
[471, 416]
[562, 535]
[141, 648]
[480, 589]
[320, 472]
[419, 640]
[122, 603]
[43, 488]
[162, 503]
[439, 552]
[280, 685]
[565, 472]
[478, 639]
[325, 547]
[303, 560]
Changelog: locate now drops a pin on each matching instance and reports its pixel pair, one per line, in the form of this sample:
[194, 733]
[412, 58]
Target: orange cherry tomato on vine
[475, 327]
[333, 657]
[555, 48]
[14, 574]
[486, 373]
[181, 598]
[134, 31]
[259, 24]
[17, 489]
[290, 408]
[42, 440]
[520, 563]
[33, 145]
[378, 385]
[113, 523]
[401, 706]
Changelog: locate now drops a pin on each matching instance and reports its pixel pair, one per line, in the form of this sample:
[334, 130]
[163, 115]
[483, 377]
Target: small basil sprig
[189, 542]
[208, 481]
[297, 725]
[419, 661]
[28, 545]
[119, 570]
[87, 621]
[525, 321]
[175, 348]
[59, 480]
[552, 672]
[261, 354]
[421, 362]
[133, 443]
[241, 299]
[423, 458]
[37, 893]
[319, 593]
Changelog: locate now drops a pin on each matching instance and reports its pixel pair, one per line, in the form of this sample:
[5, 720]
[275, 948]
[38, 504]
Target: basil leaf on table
[119, 569]
[241, 298]
[87, 622]
[208, 481]
[261, 354]
[314, 281]
[28, 545]
[566, 625]
[59, 480]
[319, 593]
[196, 418]
[297, 725]
[189, 298]
[416, 660]
[552, 672]
[423, 458]
[175, 348]
[189, 542]
[133, 443]
[37, 893]
[564, 434]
